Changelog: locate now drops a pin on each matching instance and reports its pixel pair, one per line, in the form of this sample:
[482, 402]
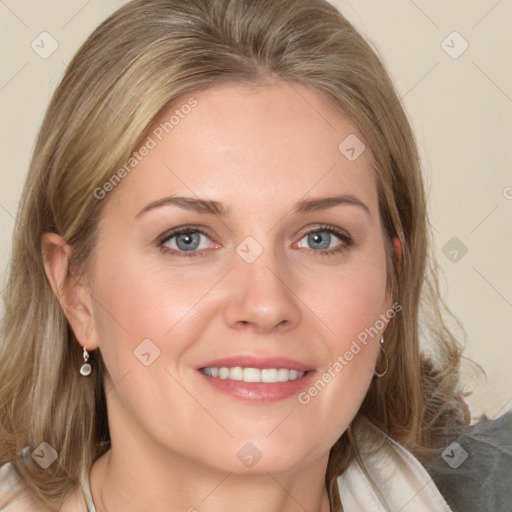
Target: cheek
[136, 302]
[350, 308]
[349, 299]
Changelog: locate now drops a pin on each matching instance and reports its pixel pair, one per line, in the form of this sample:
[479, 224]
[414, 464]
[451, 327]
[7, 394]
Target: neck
[140, 472]
[124, 480]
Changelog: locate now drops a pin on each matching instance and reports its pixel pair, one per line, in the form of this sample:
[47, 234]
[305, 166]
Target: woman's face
[245, 238]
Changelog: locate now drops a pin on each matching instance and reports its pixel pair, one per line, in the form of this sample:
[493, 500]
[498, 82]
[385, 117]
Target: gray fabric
[483, 481]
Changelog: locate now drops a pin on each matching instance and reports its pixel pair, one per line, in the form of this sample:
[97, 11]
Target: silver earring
[85, 369]
[379, 375]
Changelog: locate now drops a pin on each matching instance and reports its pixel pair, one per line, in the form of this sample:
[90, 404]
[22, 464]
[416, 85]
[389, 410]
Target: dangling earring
[379, 375]
[85, 369]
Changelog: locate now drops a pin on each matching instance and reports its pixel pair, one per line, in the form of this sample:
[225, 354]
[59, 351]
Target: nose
[260, 298]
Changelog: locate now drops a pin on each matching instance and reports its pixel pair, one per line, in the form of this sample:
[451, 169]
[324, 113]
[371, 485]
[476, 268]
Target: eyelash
[179, 231]
[343, 236]
[346, 239]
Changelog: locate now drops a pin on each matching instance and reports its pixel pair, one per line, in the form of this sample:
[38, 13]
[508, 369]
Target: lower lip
[259, 391]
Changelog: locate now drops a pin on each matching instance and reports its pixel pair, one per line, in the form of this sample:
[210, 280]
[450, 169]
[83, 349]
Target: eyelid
[345, 238]
[171, 233]
[186, 228]
[320, 227]
[341, 233]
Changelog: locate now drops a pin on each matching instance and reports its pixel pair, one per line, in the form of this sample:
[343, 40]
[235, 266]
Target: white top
[402, 483]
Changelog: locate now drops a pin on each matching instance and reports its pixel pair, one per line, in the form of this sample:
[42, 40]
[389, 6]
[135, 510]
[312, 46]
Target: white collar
[402, 483]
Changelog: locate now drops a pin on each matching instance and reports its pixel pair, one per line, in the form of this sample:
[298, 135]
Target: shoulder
[386, 476]
[473, 470]
[13, 498]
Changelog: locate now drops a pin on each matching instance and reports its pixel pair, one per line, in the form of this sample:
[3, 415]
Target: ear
[398, 252]
[74, 297]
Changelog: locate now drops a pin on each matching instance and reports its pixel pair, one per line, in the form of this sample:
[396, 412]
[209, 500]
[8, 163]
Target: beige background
[461, 109]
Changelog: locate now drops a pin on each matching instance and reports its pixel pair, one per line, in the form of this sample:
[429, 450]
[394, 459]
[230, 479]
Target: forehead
[274, 143]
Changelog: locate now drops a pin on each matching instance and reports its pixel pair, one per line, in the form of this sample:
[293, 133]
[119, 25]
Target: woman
[216, 276]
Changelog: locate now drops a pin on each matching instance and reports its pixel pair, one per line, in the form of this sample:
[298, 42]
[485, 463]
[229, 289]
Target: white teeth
[267, 375]
[252, 375]
[283, 375]
[236, 373]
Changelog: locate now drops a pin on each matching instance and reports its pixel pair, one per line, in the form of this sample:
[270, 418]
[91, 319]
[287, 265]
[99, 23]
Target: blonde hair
[135, 63]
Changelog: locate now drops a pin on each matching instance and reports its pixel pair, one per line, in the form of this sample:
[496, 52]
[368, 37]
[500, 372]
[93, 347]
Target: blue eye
[319, 240]
[186, 240]
[328, 240]
[192, 241]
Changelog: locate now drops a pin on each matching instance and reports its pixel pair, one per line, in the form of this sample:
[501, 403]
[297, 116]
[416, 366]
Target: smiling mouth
[265, 375]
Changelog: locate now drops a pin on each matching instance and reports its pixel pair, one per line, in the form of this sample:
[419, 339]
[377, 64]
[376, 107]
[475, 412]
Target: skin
[258, 151]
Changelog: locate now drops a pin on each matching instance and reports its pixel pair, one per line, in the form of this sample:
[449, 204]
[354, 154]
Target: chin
[259, 458]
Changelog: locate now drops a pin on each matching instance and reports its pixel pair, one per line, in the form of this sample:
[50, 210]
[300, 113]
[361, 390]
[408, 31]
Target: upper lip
[250, 361]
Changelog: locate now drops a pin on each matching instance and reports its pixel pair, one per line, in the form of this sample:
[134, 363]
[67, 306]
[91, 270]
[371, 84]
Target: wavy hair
[144, 56]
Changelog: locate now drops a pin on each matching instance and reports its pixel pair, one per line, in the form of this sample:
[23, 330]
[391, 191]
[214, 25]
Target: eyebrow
[323, 203]
[188, 203]
[215, 208]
